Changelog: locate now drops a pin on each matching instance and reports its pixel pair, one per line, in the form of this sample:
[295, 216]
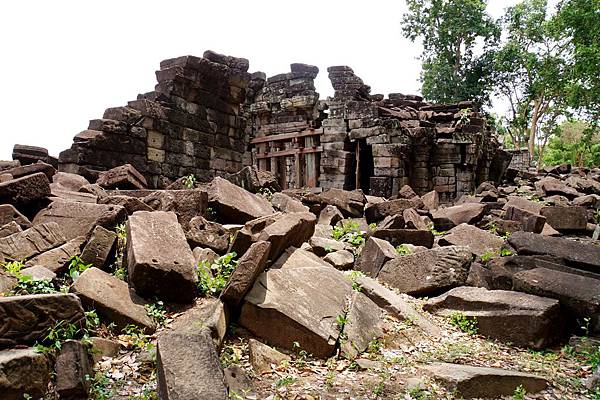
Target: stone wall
[192, 123]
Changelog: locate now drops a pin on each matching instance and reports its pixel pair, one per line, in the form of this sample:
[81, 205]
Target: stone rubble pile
[531, 289]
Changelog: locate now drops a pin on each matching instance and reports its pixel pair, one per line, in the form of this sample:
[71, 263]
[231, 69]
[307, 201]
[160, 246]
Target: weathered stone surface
[29, 154]
[25, 192]
[298, 258]
[112, 299]
[374, 255]
[377, 212]
[322, 246]
[524, 204]
[100, 249]
[428, 272]
[413, 220]
[102, 347]
[178, 371]
[122, 177]
[69, 195]
[31, 242]
[263, 356]
[30, 169]
[396, 304]
[289, 305]
[285, 203]
[291, 229]
[67, 181]
[565, 218]
[406, 236]
[252, 180]
[236, 205]
[530, 222]
[39, 273]
[210, 315]
[340, 259]
[521, 319]
[237, 382]
[575, 254]
[26, 319]
[9, 213]
[448, 218]
[159, 260]
[57, 259]
[579, 295]
[552, 186]
[204, 255]
[392, 222]
[431, 200]
[363, 325]
[350, 203]
[131, 204]
[73, 371]
[79, 219]
[250, 232]
[7, 282]
[203, 233]
[330, 215]
[478, 240]
[23, 371]
[250, 265]
[475, 382]
[187, 204]
[10, 229]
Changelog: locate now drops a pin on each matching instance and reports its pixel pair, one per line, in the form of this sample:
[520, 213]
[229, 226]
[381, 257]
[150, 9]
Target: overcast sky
[64, 62]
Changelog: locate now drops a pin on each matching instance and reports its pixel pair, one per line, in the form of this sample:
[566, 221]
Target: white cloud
[64, 62]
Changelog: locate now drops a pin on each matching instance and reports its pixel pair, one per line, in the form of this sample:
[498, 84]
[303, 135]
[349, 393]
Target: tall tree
[451, 32]
[530, 73]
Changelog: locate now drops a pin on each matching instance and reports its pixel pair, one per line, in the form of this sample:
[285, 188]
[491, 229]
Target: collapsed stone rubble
[520, 258]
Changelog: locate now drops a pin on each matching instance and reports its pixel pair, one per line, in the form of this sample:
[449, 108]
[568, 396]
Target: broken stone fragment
[23, 372]
[398, 237]
[521, 319]
[291, 229]
[330, 215]
[73, 371]
[262, 357]
[26, 319]
[123, 177]
[79, 219]
[203, 233]
[9, 213]
[237, 382]
[193, 374]
[476, 382]
[159, 259]
[288, 305]
[131, 204]
[428, 272]
[377, 212]
[340, 259]
[236, 205]
[449, 217]
[9, 229]
[102, 347]
[374, 255]
[112, 299]
[187, 204]
[575, 254]
[100, 250]
[57, 259]
[579, 295]
[250, 265]
[39, 273]
[31, 242]
[208, 314]
[565, 218]
[478, 240]
[26, 193]
[350, 203]
[285, 203]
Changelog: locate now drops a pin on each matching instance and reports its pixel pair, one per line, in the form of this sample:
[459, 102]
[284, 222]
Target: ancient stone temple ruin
[209, 117]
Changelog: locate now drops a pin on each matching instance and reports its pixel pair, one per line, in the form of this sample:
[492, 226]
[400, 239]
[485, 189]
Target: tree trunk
[537, 104]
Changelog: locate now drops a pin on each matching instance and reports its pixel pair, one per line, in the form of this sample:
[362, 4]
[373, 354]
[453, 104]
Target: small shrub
[349, 231]
[464, 323]
[353, 276]
[137, 338]
[189, 181]
[403, 250]
[13, 267]
[76, 267]
[487, 256]
[286, 381]
[27, 285]
[519, 393]
[100, 387]
[505, 253]
[212, 278]
[266, 193]
[157, 312]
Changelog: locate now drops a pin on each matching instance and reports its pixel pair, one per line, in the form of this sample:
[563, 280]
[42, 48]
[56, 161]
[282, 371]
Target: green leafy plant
[212, 278]
[505, 253]
[519, 393]
[403, 250]
[302, 355]
[464, 323]
[230, 356]
[353, 276]
[418, 393]
[137, 337]
[76, 267]
[13, 267]
[487, 256]
[189, 181]
[100, 387]
[157, 312]
[286, 381]
[27, 285]
[464, 118]
[266, 193]
[120, 273]
[57, 334]
[349, 231]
